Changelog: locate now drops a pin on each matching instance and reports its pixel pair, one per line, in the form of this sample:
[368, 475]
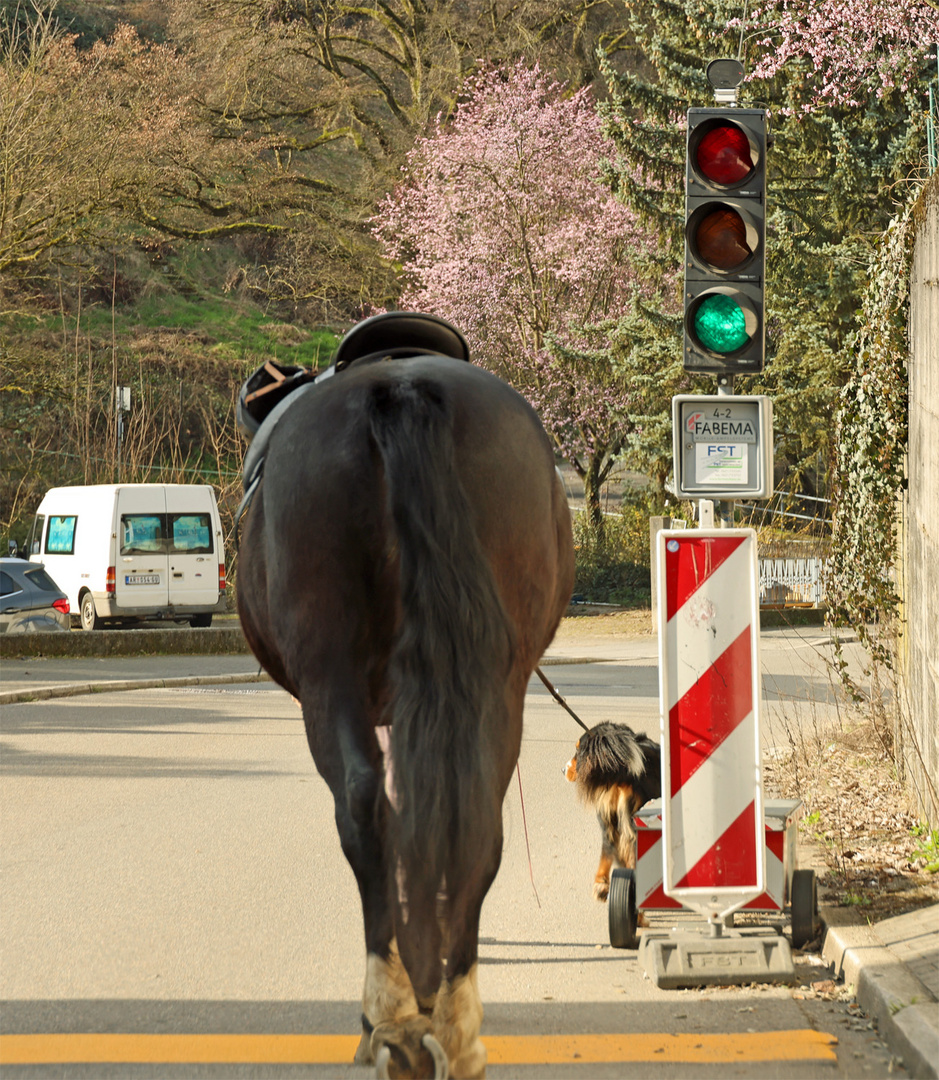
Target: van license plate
[141, 579]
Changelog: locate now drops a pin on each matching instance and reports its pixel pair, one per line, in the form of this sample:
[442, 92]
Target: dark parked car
[29, 599]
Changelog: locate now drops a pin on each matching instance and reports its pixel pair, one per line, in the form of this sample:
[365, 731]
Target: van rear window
[191, 533]
[60, 538]
[166, 533]
[141, 533]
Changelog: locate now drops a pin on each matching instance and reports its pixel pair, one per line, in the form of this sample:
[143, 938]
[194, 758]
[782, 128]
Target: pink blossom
[856, 47]
[502, 225]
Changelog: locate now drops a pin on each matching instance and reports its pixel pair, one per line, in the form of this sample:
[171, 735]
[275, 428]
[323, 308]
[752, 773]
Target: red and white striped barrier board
[709, 682]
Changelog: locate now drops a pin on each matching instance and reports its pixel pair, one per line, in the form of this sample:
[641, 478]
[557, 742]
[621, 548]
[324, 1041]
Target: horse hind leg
[388, 998]
[349, 759]
[457, 1021]
[443, 1040]
[389, 993]
[405, 1046]
[388, 1002]
[458, 1013]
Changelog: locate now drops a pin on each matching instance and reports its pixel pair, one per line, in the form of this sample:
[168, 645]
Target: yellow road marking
[696, 1049]
[56, 1049]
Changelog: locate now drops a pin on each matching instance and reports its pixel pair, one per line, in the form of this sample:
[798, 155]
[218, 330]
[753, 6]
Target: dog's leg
[601, 882]
[626, 811]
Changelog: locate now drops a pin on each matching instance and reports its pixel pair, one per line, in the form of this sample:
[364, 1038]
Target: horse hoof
[408, 1052]
[382, 1064]
[363, 1053]
[437, 1052]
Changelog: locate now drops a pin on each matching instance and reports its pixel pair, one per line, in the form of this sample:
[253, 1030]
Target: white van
[126, 552]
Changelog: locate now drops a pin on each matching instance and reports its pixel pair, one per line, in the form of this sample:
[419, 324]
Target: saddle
[269, 391]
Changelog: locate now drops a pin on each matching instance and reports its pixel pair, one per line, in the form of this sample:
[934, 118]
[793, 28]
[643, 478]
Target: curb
[903, 1008]
[226, 638]
[44, 693]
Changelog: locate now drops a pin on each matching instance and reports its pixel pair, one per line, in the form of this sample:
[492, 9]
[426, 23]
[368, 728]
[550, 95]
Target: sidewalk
[893, 965]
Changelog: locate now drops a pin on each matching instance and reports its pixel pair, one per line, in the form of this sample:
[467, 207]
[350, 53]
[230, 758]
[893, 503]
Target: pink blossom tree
[503, 226]
[856, 47]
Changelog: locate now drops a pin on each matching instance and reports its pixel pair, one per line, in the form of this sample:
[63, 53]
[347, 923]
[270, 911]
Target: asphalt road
[170, 866]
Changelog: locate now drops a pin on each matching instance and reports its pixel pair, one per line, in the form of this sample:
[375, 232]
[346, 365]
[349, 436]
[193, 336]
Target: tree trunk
[593, 479]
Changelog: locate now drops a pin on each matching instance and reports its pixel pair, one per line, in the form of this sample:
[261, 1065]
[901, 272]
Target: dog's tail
[617, 755]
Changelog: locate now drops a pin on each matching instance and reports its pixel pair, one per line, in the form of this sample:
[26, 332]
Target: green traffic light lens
[720, 324]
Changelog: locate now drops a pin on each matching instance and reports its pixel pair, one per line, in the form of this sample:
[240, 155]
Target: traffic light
[725, 240]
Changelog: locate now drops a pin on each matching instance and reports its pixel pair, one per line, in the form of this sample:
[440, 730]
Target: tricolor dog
[616, 772]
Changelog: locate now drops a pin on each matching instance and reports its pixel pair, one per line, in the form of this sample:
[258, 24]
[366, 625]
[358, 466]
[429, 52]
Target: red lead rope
[521, 798]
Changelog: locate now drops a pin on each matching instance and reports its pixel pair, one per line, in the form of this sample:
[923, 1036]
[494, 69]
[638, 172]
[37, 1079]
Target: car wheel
[199, 621]
[89, 616]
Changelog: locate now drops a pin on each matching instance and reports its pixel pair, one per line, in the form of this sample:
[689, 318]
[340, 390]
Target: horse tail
[453, 648]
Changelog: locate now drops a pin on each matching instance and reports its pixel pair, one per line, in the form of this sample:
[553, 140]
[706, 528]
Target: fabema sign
[723, 446]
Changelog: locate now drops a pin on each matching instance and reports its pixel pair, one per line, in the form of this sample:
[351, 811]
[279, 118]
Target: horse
[404, 563]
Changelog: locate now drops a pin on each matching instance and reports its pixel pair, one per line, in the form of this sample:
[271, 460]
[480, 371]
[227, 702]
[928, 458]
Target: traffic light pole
[725, 508]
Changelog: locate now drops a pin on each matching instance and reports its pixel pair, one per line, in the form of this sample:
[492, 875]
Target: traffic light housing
[725, 241]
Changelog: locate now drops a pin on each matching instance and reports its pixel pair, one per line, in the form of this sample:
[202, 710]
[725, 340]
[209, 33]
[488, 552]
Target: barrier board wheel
[804, 904]
[622, 909]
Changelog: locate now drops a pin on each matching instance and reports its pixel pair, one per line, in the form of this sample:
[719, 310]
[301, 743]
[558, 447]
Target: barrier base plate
[696, 959]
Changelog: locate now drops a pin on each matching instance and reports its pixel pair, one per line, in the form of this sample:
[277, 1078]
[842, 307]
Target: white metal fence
[792, 582]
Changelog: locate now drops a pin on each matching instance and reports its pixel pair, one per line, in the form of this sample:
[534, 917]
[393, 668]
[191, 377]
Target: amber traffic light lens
[720, 239]
[723, 155]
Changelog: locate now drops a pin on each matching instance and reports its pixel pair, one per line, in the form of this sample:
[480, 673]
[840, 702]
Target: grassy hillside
[167, 324]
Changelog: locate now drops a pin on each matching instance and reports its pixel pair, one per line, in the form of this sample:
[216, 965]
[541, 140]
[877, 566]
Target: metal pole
[931, 130]
[123, 404]
[725, 508]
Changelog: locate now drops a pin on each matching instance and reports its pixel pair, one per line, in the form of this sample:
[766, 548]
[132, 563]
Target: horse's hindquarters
[406, 563]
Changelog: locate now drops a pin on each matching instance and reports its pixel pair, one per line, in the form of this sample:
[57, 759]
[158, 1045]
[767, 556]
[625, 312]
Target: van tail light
[221, 577]
[111, 581]
[61, 605]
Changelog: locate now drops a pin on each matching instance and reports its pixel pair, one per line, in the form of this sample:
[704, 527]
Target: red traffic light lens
[723, 155]
[720, 239]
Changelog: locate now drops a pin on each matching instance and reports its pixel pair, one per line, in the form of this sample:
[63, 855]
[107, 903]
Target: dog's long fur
[616, 772]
